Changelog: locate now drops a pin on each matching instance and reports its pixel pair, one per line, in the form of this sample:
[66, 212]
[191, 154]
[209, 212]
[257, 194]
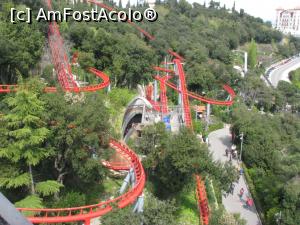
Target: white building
[288, 21]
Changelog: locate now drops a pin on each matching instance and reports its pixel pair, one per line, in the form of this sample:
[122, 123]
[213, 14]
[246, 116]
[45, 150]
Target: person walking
[242, 193]
[226, 152]
[232, 188]
[249, 202]
[241, 171]
[234, 154]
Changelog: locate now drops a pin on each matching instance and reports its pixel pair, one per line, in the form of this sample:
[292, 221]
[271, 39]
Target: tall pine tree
[23, 136]
[252, 53]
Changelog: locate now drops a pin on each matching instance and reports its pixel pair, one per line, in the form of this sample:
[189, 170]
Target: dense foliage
[295, 77]
[172, 160]
[59, 139]
[156, 212]
[21, 45]
[191, 30]
[271, 153]
[51, 144]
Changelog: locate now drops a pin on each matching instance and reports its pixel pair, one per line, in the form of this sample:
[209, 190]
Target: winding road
[219, 141]
[282, 72]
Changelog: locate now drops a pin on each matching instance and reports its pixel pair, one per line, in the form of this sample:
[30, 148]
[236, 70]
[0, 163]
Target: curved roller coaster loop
[86, 213]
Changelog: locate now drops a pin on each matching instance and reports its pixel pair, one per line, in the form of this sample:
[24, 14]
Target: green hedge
[253, 193]
[215, 126]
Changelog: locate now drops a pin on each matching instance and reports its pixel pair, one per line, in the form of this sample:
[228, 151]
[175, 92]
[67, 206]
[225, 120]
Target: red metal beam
[163, 93]
[184, 93]
[176, 55]
[202, 201]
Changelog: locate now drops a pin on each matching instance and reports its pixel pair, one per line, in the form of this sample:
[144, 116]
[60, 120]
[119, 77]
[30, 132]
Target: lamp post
[242, 140]
[245, 59]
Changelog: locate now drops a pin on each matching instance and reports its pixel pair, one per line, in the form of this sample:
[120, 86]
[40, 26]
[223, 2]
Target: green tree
[271, 153]
[120, 4]
[156, 212]
[252, 54]
[25, 135]
[290, 93]
[173, 159]
[123, 216]
[79, 136]
[21, 45]
[128, 4]
[26, 131]
[86, 60]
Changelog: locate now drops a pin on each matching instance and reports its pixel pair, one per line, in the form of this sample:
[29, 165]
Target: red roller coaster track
[67, 82]
[185, 93]
[91, 88]
[183, 90]
[86, 213]
[163, 93]
[178, 61]
[202, 201]
[60, 60]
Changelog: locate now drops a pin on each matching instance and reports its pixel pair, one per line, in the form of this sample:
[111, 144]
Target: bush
[294, 76]
[71, 199]
[253, 192]
[215, 126]
[121, 97]
[198, 126]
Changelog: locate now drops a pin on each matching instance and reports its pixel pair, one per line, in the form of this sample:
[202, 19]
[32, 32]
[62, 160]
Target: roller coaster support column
[208, 111]
[245, 62]
[139, 205]
[144, 114]
[245, 59]
[163, 93]
[178, 87]
[155, 91]
[132, 177]
[184, 93]
[128, 179]
[87, 222]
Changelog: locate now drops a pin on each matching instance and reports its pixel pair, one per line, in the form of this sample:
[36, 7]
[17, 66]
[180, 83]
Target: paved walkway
[219, 141]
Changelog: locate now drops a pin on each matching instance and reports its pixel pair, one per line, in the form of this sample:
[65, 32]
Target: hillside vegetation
[51, 144]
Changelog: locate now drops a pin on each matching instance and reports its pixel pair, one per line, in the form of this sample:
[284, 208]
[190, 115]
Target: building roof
[282, 9]
[200, 108]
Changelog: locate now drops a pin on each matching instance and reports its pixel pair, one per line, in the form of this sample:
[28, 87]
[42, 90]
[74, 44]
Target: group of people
[232, 153]
[249, 201]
